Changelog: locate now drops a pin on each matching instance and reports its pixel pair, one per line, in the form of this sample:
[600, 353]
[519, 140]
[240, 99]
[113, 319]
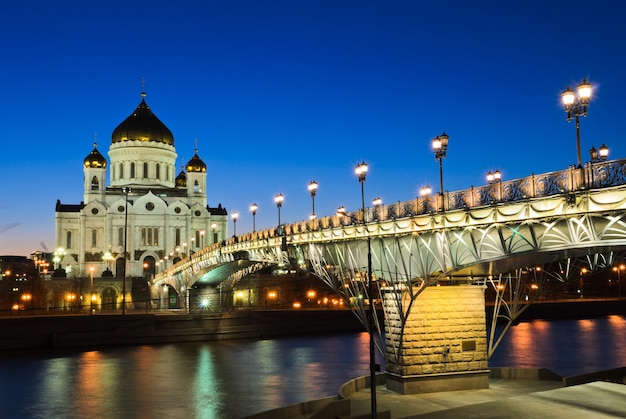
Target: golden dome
[196, 164]
[95, 159]
[142, 125]
[181, 179]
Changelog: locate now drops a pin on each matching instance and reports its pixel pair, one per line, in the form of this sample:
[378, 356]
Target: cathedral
[147, 217]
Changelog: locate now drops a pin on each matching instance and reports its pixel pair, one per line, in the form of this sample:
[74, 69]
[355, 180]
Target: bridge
[512, 239]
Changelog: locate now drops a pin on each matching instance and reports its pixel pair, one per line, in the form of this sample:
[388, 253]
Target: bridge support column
[443, 345]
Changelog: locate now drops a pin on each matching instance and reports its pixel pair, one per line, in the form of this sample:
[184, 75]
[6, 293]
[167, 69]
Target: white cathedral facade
[158, 217]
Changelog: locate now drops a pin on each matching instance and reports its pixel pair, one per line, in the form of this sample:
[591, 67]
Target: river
[232, 379]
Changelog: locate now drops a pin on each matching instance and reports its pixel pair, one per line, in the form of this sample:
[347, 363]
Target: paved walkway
[503, 399]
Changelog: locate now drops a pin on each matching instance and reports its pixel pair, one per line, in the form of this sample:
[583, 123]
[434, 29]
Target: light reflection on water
[227, 379]
[567, 347]
[232, 379]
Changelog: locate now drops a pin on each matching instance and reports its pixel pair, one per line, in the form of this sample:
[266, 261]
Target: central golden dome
[142, 125]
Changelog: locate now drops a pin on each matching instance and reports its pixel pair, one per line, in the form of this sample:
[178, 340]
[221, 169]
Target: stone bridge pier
[442, 345]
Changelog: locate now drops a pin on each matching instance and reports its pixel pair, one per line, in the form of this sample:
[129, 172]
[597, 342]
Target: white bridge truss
[551, 225]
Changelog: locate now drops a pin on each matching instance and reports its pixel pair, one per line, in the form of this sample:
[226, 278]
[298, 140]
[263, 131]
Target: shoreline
[85, 330]
[135, 328]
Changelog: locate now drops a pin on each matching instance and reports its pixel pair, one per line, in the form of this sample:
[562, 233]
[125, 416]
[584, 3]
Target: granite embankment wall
[29, 332]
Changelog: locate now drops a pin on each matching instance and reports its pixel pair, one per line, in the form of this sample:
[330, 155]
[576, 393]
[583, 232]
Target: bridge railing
[592, 175]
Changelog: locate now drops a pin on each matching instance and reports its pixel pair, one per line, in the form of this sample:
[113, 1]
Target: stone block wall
[445, 333]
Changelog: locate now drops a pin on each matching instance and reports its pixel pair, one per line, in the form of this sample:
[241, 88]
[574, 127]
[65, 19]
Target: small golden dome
[95, 159]
[196, 164]
[181, 180]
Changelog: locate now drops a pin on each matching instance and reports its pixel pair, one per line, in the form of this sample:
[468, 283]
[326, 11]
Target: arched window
[68, 240]
[143, 237]
[145, 170]
[156, 236]
[120, 236]
[178, 237]
[158, 171]
[149, 237]
[94, 238]
[95, 185]
[196, 187]
[132, 170]
[121, 166]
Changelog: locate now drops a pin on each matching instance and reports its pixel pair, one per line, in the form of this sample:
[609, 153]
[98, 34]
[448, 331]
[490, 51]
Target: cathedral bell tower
[94, 169]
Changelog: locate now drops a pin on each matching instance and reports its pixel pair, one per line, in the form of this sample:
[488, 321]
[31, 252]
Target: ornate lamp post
[126, 190]
[312, 190]
[598, 155]
[234, 216]
[278, 199]
[253, 209]
[576, 106]
[440, 147]
[361, 173]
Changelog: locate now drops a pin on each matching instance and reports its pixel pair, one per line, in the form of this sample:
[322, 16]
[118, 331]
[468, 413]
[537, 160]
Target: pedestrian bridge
[551, 224]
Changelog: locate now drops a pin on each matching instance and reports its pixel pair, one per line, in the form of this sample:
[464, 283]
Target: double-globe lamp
[575, 105]
[440, 147]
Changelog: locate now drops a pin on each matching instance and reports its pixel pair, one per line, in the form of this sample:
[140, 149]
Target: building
[147, 215]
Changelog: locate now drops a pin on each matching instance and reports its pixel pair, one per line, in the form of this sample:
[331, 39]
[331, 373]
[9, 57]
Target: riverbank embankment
[23, 331]
[84, 330]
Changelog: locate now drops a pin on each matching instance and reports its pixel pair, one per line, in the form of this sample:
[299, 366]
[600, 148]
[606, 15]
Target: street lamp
[440, 147]
[576, 106]
[313, 189]
[234, 216]
[494, 177]
[253, 209]
[619, 270]
[598, 155]
[361, 173]
[377, 203]
[126, 190]
[278, 199]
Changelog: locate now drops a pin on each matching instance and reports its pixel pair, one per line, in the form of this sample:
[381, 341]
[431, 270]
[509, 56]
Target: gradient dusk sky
[279, 93]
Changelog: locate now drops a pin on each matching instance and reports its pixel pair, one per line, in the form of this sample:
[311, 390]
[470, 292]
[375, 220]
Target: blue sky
[279, 93]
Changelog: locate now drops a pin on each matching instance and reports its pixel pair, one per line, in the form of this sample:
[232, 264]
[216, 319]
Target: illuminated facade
[168, 216]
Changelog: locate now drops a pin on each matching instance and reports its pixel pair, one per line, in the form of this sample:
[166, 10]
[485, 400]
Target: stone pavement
[505, 398]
